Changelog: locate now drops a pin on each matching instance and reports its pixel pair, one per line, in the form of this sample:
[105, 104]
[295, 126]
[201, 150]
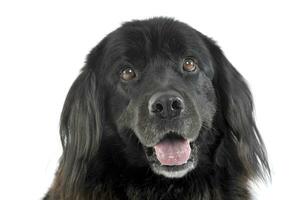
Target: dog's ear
[236, 106]
[81, 126]
[80, 129]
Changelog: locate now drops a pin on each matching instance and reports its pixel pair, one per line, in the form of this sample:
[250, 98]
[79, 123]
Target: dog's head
[170, 98]
[161, 93]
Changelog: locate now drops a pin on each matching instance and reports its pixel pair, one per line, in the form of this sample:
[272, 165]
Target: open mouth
[172, 156]
[173, 151]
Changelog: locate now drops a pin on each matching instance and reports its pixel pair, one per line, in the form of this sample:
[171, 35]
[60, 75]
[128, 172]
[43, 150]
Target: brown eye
[127, 74]
[189, 65]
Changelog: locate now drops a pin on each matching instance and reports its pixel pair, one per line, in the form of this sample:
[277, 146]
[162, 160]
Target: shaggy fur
[107, 131]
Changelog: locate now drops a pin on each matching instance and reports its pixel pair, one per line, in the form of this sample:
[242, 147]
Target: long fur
[237, 156]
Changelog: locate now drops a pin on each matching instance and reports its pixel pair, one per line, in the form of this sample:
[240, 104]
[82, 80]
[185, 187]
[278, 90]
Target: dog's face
[158, 94]
[161, 94]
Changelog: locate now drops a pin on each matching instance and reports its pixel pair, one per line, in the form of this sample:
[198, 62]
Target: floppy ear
[81, 126]
[80, 130]
[236, 106]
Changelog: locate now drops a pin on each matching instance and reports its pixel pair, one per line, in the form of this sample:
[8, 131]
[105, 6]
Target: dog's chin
[172, 170]
[176, 171]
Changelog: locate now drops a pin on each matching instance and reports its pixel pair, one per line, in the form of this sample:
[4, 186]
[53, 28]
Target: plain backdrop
[43, 45]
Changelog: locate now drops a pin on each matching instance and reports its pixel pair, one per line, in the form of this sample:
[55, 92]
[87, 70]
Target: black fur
[104, 119]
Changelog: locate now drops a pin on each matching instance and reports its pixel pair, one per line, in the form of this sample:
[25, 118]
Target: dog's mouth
[172, 151]
[172, 156]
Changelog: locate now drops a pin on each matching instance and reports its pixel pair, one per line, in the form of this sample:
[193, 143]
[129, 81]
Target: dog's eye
[127, 74]
[189, 65]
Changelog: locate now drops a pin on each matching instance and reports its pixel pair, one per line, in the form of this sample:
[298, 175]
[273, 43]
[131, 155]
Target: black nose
[166, 105]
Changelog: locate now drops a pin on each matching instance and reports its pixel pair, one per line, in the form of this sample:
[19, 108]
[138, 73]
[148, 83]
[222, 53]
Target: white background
[43, 45]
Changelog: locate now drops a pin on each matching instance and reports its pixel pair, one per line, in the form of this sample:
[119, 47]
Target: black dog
[158, 112]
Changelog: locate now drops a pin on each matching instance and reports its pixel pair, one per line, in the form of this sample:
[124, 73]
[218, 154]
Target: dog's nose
[166, 105]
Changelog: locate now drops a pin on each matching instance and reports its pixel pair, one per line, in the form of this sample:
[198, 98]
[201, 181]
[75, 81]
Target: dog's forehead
[150, 39]
[154, 43]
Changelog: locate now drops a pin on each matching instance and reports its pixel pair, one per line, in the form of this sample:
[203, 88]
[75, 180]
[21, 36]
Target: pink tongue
[173, 152]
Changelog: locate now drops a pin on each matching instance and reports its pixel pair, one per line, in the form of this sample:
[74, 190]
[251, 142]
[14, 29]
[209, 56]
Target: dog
[158, 112]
